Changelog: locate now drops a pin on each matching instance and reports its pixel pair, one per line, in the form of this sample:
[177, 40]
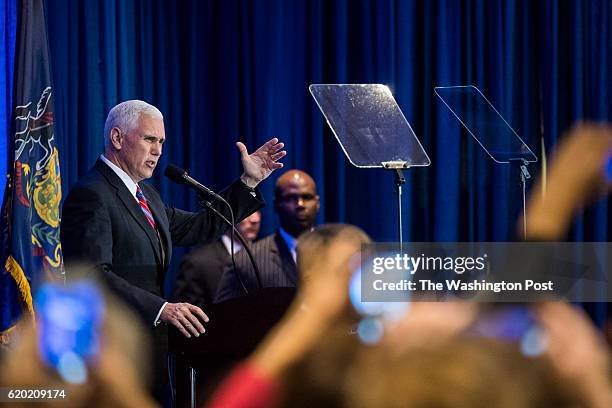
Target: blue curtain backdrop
[222, 71]
[8, 22]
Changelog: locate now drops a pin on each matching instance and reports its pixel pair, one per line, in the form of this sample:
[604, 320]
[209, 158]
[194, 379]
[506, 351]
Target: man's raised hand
[262, 162]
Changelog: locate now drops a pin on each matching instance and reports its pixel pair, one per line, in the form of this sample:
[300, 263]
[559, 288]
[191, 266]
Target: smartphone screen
[512, 323]
[374, 314]
[387, 311]
[68, 320]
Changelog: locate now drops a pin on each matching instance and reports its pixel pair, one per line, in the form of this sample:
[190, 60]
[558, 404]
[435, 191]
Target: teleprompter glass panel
[485, 123]
[369, 125]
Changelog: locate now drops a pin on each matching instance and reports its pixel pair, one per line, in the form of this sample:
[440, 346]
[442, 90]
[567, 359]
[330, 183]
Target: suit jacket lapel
[287, 263]
[130, 204]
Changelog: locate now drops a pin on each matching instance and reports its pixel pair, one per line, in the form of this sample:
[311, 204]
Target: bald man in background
[297, 204]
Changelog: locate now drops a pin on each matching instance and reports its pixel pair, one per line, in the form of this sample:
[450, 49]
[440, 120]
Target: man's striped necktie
[145, 207]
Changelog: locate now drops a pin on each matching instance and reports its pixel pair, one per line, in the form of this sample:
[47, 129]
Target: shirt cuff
[157, 319]
[252, 190]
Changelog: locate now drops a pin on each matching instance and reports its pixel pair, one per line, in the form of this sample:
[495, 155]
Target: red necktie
[145, 207]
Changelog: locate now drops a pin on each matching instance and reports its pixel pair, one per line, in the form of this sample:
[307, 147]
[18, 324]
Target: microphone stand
[234, 232]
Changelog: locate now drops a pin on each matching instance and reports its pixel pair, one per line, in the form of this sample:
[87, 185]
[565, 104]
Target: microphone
[180, 176]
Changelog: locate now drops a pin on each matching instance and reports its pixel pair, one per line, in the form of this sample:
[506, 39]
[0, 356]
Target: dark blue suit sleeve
[87, 238]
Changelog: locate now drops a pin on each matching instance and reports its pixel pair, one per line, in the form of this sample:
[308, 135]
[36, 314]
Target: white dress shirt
[227, 243]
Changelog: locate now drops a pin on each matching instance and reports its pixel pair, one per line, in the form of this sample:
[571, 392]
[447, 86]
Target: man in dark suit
[202, 268]
[297, 203]
[114, 221]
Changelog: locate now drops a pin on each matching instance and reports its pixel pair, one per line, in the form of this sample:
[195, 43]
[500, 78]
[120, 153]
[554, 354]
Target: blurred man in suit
[297, 204]
[201, 269]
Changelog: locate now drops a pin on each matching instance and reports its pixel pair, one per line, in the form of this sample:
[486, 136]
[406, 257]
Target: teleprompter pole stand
[521, 165]
[399, 181]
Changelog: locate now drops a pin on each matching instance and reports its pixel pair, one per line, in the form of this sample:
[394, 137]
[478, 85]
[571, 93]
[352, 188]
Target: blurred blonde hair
[464, 372]
[313, 244]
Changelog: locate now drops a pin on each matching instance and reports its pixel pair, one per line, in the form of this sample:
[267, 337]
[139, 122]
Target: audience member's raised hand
[577, 352]
[577, 174]
[318, 306]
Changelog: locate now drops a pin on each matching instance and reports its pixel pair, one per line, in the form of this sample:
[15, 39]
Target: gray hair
[125, 115]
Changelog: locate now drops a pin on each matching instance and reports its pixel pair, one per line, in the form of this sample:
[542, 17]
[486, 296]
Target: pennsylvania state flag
[30, 250]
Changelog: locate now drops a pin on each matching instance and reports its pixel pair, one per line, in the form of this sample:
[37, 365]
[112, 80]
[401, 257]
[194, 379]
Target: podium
[235, 329]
